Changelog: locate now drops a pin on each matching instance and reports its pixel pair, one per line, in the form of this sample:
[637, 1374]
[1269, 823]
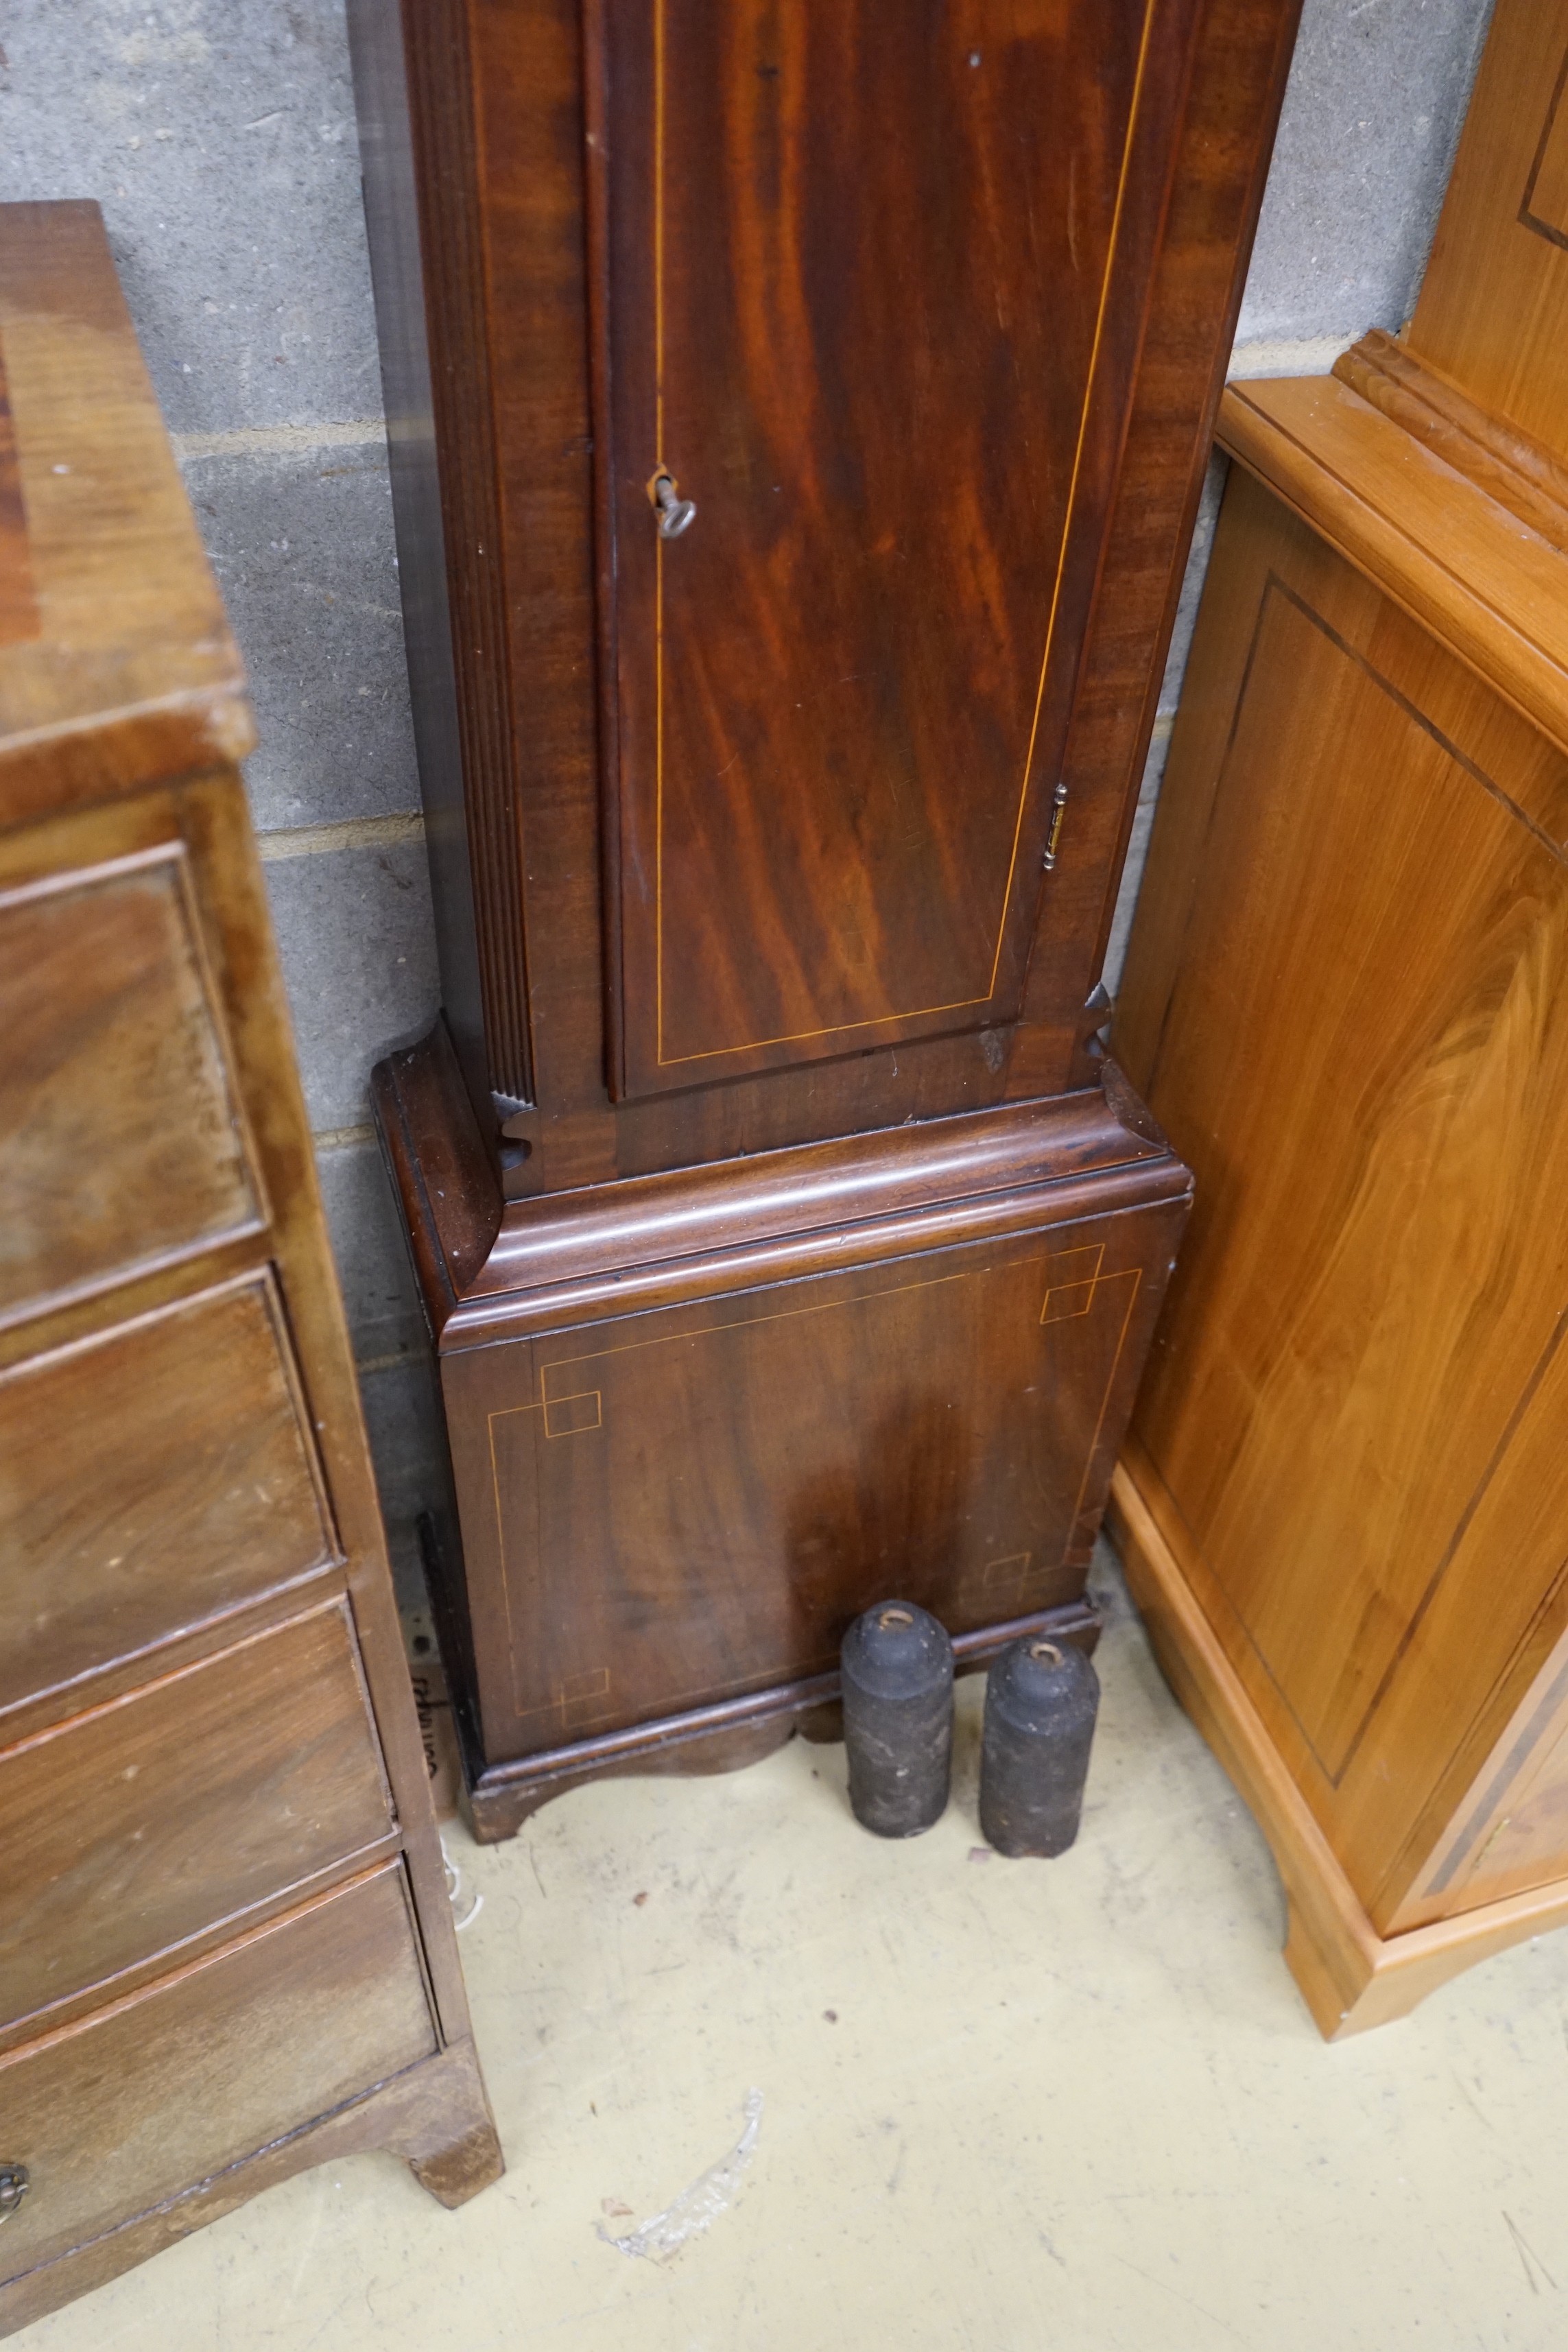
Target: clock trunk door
[872, 277]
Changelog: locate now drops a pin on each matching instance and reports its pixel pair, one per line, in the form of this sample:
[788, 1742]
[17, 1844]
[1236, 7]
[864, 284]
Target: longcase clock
[797, 416]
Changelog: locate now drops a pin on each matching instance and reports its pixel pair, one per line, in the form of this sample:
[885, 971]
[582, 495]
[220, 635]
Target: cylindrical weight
[1040, 1705]
[897, 1676]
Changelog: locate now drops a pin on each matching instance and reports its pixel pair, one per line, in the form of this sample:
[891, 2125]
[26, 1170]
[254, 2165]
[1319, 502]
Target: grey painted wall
[218, 136]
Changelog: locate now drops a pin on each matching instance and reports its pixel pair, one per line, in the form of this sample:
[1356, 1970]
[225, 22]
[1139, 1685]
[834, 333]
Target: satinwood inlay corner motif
[1072, 1278]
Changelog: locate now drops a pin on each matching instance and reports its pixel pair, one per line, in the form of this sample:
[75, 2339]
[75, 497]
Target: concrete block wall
[219, 137]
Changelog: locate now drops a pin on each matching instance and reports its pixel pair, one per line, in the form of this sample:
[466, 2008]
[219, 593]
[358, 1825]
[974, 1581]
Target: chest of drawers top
[116, 663]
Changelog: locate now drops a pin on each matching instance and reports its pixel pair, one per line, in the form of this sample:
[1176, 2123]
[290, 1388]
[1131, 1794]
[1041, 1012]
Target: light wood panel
[1437, 542]
[1345, 1496]
[1372, 1069]
[1512, 1835]
[1351, 1978]
[1493, 311]
[1520, 474]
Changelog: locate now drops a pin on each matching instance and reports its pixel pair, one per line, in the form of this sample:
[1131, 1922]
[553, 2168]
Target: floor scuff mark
[696, 2208]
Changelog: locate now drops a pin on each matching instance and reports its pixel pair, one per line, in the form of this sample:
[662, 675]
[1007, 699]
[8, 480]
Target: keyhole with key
[675, 514]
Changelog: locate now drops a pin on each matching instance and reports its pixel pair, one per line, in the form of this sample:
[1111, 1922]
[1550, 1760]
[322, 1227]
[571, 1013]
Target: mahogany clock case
[796, 818]
[698, 1422]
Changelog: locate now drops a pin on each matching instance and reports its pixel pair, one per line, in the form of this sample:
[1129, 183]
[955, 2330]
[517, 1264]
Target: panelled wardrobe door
[800, 412]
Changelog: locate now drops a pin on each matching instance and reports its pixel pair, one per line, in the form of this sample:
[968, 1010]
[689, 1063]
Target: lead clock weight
[897, 1676]
[1041, 1702]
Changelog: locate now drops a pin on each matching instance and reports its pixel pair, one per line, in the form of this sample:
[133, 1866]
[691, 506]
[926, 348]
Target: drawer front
[145, 1821]
[161, 2091]
[119, 1137]
[147, 1479]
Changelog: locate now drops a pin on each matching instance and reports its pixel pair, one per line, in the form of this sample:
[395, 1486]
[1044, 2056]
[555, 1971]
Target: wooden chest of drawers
[225, 1949]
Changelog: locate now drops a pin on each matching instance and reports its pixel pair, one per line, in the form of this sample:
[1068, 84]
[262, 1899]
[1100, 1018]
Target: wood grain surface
[1510, 1834]
[420, 2113]
[1493, 309]
[732, 1485]
[860, 272]
[155, 1818]
[1347, 1006]
[18, 606]
[1437, 540]
[725, 1410]
[128, 672]
[928, 318]
[207, 1710]
[1350, 1977]
[261, 2038]
[1520, 474]
[156, 1475]
[1344, 1499]
[120, 1138]
[478, 160]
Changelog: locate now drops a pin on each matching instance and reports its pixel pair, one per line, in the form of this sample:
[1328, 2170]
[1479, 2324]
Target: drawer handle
[14, 2186]
[675, 514]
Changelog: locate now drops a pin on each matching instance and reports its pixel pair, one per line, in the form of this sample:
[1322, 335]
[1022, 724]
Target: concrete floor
[1056, 2106]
